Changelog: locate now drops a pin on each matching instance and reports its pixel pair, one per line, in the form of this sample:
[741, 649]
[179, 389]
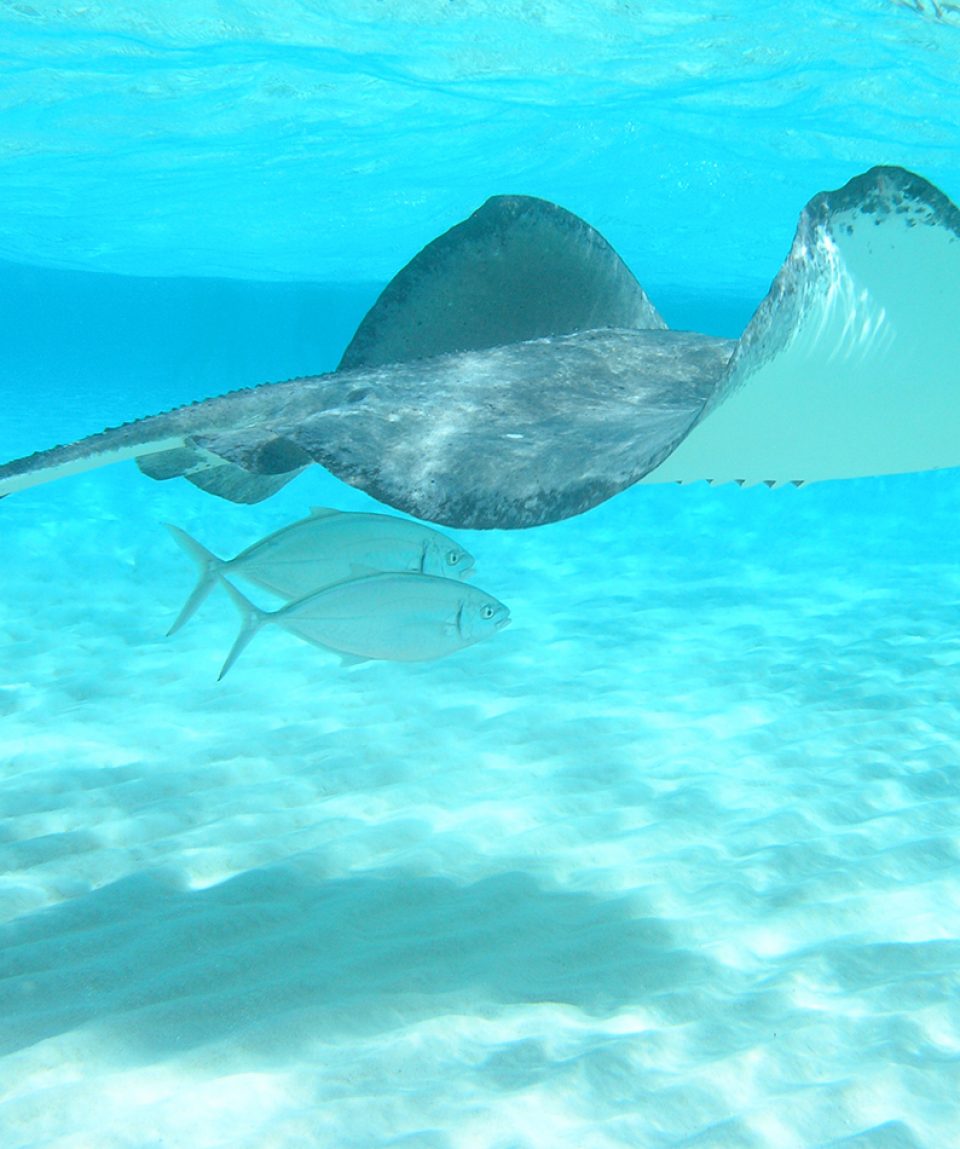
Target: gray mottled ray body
[511, 436]
[515, 373]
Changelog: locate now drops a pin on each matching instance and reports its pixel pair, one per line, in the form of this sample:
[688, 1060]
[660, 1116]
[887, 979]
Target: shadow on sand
[278, 955]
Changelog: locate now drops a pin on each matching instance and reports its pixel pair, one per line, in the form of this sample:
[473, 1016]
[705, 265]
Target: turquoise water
[673, 860]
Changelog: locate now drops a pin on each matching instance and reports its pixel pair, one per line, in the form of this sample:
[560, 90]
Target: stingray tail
[210, 571]
[251, 619]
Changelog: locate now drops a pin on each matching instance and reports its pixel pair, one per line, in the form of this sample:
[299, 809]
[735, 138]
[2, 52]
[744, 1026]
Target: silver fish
[398, 617]
[328, 547]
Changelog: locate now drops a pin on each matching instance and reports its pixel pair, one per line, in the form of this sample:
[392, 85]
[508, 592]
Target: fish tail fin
[251, 619]
[210, 568]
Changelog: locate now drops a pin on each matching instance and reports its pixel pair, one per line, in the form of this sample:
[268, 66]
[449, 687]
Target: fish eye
[453, 557]
[486, 611]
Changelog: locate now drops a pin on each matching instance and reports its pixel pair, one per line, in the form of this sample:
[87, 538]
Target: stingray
[515, 373]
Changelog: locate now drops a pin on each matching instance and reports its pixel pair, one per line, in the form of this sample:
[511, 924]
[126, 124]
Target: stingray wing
[851, 365]
[519, 268]
[470, 399]
[512, 374]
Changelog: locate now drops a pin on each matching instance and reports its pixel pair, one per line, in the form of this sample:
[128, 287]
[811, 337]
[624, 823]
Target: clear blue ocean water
[674, 860]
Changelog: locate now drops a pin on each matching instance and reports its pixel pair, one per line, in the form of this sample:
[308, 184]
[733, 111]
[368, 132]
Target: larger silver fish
[399, 617]
[328, 547]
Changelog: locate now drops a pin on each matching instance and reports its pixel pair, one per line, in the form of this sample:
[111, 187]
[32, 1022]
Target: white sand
[672, 861]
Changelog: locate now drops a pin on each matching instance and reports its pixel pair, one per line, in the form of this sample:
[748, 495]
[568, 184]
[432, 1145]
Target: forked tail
[210, 571]
[252, 618]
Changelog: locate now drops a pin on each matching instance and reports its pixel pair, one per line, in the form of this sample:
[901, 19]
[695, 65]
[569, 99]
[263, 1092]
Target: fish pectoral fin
[455, 625]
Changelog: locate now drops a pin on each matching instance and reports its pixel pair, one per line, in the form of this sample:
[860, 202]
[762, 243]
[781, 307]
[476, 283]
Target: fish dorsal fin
[324, 512]
[519, 268]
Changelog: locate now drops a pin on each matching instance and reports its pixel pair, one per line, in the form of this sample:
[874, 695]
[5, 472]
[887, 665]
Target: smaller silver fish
[399, 617]
[328, 547]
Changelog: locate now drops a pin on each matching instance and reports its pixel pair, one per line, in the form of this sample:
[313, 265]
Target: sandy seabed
[671, 861]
